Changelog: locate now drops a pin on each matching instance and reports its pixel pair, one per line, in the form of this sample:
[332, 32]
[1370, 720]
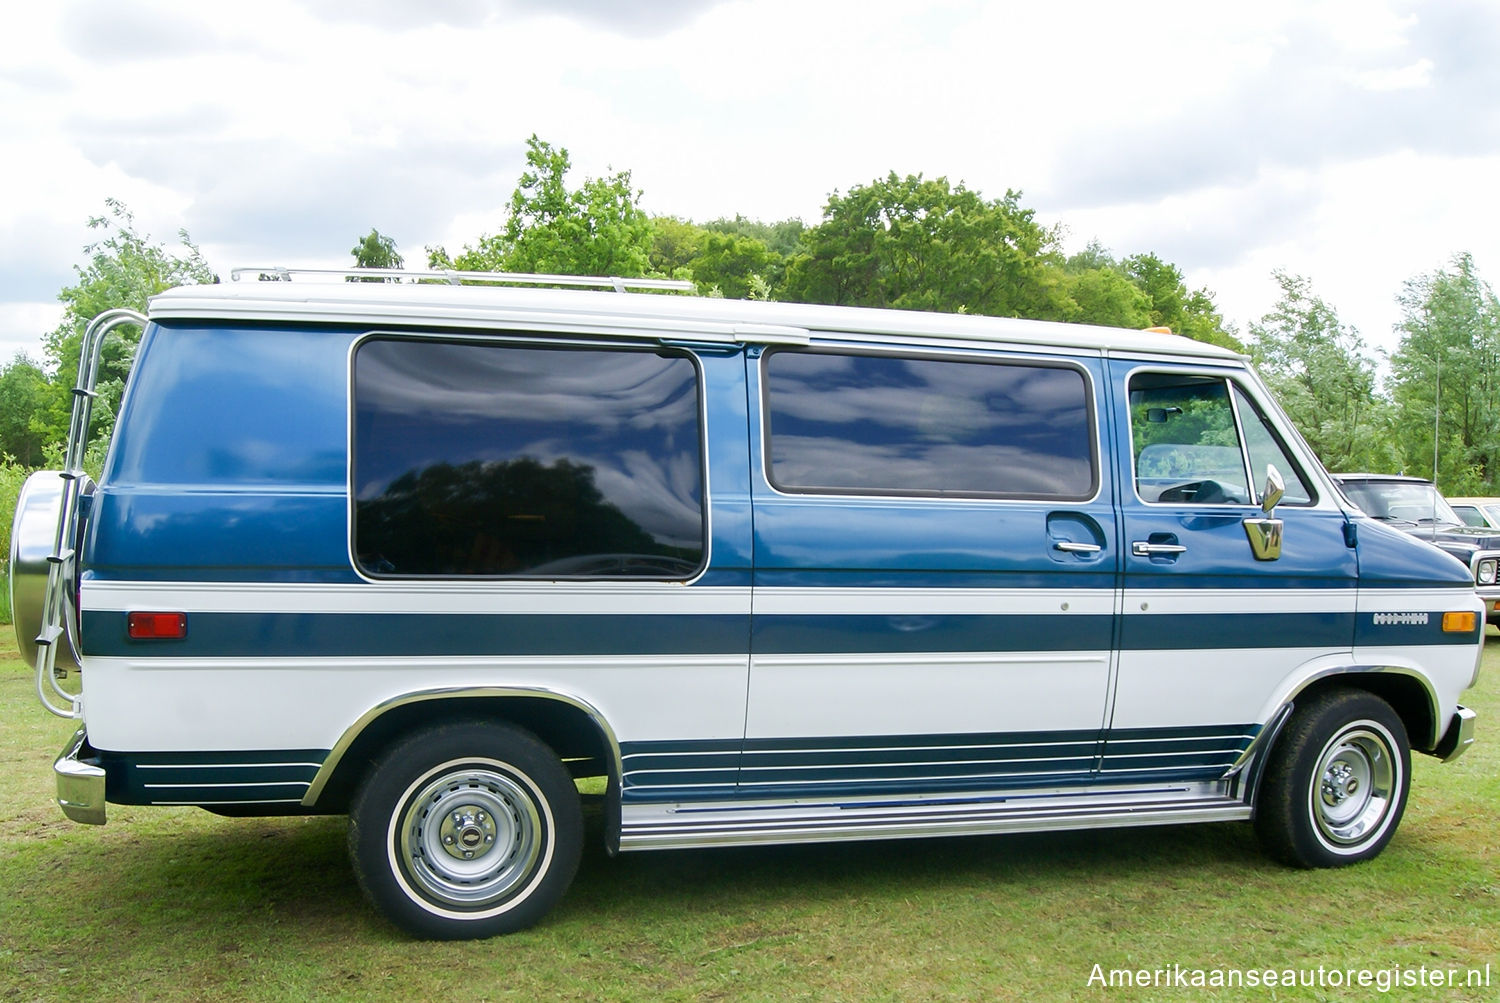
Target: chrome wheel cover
[1355, 784]
[469, 838]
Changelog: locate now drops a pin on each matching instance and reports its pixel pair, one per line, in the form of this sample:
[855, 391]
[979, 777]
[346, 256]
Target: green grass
[177, 904]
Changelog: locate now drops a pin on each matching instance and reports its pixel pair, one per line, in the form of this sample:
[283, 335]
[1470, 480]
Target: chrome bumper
[80, 785]
[1459, 736]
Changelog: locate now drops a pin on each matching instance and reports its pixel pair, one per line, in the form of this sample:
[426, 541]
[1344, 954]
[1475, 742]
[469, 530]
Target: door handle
[1140, 548]
[1069, 547]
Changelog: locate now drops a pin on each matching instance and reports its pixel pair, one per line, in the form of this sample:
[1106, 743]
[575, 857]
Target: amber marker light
[1459, 623]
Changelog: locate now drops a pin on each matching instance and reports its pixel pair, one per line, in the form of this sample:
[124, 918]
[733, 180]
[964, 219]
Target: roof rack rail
[620, 285]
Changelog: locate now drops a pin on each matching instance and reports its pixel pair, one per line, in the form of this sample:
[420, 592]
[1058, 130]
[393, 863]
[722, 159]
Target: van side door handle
[1140, 548]
[1069, 547]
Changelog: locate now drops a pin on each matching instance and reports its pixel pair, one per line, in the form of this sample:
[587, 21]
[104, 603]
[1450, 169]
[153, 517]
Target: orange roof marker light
[1159, 330]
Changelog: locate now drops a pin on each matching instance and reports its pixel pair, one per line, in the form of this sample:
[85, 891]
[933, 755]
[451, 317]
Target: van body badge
[1401, 619]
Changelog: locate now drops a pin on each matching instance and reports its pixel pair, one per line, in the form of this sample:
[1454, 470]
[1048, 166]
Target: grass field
[177, 904]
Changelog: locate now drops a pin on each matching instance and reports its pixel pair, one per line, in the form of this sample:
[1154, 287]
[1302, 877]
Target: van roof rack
[620, 285]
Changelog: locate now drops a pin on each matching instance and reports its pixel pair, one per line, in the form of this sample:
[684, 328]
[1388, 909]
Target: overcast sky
[1355, 143]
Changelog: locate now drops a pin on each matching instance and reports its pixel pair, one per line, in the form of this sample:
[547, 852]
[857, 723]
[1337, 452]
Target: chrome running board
[673, 826]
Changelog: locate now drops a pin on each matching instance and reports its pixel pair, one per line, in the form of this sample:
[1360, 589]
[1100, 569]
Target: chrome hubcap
[1357, 778]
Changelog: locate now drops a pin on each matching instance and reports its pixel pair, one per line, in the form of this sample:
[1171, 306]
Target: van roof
[687, 318]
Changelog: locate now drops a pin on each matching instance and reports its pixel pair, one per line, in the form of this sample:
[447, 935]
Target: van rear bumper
[80, 784]
[1459, 736]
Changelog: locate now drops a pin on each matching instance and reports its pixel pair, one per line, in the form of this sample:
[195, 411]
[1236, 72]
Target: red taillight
[156, 626]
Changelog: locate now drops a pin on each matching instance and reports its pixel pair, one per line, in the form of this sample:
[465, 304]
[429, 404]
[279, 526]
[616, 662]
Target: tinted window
[482, 460]
[882, 425]
[1187, 448]
[1188, 445]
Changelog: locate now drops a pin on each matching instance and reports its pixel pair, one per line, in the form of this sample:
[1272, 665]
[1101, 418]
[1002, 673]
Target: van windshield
[1402, 501]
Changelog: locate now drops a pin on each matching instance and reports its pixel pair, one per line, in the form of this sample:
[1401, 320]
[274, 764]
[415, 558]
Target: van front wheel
[466, 830]
[1337, 782]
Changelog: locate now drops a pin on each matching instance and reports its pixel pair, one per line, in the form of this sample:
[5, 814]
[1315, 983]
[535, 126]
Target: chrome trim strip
[248, 783]
[1433, 703]
[80, 785]
[833, 823]
[347, 739]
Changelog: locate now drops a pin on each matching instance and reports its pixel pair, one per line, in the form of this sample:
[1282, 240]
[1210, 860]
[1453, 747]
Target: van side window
[1264, 447]
[878, 424]
[1193, 437]
[481, 460]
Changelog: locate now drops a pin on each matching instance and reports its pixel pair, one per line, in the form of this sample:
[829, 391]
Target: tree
[124, 269]
[23, 397]
[596, 229]
[674, 244]
[781, 238]
[1191, 314]
[922, 244]
[1324, 377]
[1103, 292]
[375, 250]
[1446, 372]
[730, 264]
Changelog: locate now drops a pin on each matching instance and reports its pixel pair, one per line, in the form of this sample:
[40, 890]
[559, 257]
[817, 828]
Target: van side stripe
[210, 777]
[268, 635]
[859, 766]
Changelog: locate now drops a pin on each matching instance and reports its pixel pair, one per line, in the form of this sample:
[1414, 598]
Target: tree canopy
[1324, 377]
[1445, 375]
[598, 228]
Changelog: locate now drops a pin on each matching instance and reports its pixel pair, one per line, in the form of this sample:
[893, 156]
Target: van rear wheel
[466, 830]
[1336, 786]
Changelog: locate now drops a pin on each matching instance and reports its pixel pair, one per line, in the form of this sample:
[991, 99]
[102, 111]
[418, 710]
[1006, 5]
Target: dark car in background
[1415, 506]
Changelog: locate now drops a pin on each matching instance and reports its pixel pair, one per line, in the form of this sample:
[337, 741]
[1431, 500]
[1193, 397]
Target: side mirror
[1275, 489]
[1265, 533]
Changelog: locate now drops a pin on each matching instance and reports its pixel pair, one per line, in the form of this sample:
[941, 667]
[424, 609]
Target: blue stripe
[273, 635]
[924, 632]
[209, 777]
[874, 765]
[1176, 631]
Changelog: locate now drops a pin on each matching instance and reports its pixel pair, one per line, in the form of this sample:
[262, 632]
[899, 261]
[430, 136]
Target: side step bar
[659, 827]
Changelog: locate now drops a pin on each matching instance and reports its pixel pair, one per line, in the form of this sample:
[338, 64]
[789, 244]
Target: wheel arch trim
[459, 693]
[1325, 669]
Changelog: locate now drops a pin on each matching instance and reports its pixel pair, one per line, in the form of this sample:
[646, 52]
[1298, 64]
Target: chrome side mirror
[1265, 533]
[1275, 489]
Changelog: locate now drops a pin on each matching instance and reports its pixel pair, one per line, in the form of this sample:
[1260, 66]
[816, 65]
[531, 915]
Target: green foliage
[1107, 296]
[1188, 313]
[674, 244]
[596, 229]
[1324, 377]
[24, 398]
[1448, 365]
[375, 250]
[125, 269]
[12, 477]
[730, 263]
[724, 258]
[919, 244]
[781, 239]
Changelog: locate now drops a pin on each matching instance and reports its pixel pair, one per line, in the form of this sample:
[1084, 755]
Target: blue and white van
[428, 554]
